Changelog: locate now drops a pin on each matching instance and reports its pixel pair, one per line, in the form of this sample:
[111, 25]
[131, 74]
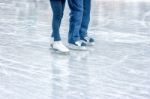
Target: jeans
[79, 19]
[58, 10]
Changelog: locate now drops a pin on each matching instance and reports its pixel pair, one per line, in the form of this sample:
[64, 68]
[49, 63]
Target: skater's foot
[78, 45]
[58, 46]
[89, 41]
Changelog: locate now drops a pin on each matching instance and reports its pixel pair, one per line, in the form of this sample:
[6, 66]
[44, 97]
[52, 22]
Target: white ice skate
[59, 47]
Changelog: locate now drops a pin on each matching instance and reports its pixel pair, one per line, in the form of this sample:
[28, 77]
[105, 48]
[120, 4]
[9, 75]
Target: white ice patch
[124, 37]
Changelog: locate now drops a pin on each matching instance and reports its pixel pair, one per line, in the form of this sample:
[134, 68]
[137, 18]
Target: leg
[57, 8]
[63, 5]
[76, 14]
[85, 18]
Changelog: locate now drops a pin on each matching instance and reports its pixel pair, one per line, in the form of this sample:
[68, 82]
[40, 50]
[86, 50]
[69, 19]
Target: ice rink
[117, 67]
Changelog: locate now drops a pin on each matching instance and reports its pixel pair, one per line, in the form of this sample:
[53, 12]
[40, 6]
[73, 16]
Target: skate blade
[59, 52]
[90, 44]
[73, 47]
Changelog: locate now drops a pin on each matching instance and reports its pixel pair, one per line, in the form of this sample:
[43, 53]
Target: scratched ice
[118, 67]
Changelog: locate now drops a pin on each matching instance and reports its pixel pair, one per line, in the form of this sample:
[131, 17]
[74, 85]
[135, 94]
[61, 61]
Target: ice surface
[118, 67]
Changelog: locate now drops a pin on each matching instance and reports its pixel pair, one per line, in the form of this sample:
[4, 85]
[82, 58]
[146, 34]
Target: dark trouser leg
[85, 18]
[58, 9]
[76, 7]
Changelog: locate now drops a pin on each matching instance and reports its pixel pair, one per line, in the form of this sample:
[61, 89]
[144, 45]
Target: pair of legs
[79, 19]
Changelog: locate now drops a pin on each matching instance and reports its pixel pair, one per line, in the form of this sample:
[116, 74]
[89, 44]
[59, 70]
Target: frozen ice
[117, 67]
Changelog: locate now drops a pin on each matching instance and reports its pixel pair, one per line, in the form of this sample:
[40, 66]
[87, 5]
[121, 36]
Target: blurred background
[116, 68]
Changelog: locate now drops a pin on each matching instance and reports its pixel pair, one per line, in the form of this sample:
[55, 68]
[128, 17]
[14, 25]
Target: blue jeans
[79, 19]
[58, 10]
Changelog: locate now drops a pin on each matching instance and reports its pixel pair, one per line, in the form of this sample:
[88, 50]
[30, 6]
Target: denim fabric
[79, 19]
[58, 10]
